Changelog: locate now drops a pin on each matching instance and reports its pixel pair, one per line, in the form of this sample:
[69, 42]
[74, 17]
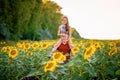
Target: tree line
[29, 19]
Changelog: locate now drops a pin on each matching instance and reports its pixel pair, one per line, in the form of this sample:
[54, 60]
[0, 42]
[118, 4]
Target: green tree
[29, 19]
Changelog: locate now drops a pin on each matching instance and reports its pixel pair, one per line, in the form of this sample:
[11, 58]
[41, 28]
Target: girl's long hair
[67, 25]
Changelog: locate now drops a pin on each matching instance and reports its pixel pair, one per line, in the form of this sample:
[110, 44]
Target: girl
[64, 45]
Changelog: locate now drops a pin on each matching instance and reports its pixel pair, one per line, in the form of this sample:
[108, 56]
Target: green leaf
[117, 72]
[34, 72]
[91, 70]
[75, 76]
[110, 71]
[63, 71]
[118, 63]
[52, 75]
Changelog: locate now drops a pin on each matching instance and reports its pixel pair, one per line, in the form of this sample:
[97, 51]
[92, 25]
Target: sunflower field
[90, 60]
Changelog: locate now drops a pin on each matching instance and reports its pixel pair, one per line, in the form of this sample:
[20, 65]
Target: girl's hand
[67, 40]
[63, 35]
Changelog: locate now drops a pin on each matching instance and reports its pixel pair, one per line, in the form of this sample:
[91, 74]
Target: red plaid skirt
[65, 49]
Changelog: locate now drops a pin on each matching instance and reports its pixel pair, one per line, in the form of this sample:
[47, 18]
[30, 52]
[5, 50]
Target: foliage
[32, 57]
[75, 34]
[23, 19]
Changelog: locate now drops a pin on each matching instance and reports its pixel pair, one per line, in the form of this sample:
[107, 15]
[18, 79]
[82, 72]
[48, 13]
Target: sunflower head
[26, 46]
[112, 51]
[111, 45]
[57, 56]
[4, 49]
[43, 46]
[29, 53]
[97, 45]
[50, 66]
[20, 44]
[2, 42]
[13, 53]
[35, 45]
[89, 52]
[63, 58]
[75, 50]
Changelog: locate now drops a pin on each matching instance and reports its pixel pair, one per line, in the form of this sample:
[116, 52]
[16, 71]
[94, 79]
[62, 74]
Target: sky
[93, 19]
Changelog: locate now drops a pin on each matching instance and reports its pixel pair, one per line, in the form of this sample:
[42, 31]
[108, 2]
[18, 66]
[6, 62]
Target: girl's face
[64, 21]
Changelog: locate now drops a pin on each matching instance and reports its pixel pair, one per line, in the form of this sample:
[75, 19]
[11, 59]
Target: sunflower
[43, 46]
[50, 66]
[75, 50]
[13, 53]
[20, 45]
[89, 52]
[88, 44]
[112, 51]
[4, 49]
[26, 46]
[57, 56]
[111, 45]
[63, 58]
[97, 45]
[35, 45]
[2, 42]
[30, 53]
[10, 47]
